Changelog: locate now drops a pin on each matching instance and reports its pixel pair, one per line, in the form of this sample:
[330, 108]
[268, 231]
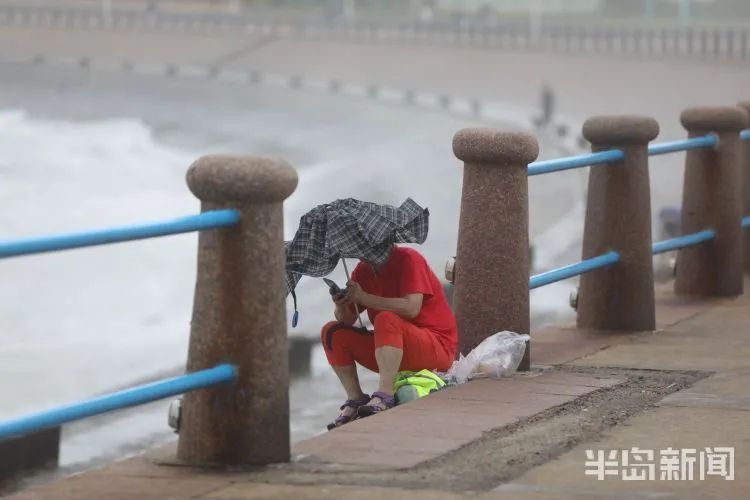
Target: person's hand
[355, 293]
[341, 299]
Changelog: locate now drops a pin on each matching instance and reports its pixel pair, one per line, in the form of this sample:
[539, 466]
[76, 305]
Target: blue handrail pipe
[562, 273]
[683, 241]
[570, 162]
[705, 142]
[134, 396]
[615, 155]
[206, 220]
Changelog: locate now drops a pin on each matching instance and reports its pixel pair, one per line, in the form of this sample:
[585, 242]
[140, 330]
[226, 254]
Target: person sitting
[414, 329]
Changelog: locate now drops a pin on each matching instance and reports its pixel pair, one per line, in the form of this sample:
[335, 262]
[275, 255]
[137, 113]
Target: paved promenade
[683, 386]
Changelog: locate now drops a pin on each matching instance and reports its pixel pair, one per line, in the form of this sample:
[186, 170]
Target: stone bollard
[618, 217]
[745, 173]
[711, 199]
[239, 316]
[22, 456]
[491, 291]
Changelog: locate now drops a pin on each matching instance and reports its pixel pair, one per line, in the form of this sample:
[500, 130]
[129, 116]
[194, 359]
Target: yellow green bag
[409, 386]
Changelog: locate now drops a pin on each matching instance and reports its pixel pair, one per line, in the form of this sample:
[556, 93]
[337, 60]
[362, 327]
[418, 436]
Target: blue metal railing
[704, 142]
[745, 135]
[610, 258]
[683, 241]
[604, 260]
[690, 240]
[138, 395]
[206, 220]
[570, 162]
[134, 396]
[615, 155]
[612, 156]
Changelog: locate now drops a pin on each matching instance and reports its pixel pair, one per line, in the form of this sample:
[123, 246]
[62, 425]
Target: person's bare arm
[407, 307]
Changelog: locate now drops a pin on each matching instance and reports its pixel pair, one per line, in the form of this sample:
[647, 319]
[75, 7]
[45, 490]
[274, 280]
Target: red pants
[422, 350]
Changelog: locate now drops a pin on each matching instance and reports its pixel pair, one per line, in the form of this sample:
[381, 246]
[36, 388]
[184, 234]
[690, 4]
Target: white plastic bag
[496, 356]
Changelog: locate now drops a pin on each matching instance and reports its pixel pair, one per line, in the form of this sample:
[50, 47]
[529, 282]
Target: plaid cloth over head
[353, 229]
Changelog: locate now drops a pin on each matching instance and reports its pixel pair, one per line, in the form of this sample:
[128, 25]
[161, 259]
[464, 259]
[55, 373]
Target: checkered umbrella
[351, 229]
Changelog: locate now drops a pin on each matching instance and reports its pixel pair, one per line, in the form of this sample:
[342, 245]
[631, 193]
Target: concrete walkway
[471, 409]
[704, 342]
[714, 412]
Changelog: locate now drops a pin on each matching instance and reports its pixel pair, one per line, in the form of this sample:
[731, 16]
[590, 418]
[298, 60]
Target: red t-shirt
[407, 272]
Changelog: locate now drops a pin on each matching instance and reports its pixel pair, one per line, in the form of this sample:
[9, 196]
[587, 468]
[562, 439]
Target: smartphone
[333, 288]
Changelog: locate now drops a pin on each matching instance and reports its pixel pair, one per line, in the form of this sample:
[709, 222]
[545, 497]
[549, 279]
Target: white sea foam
[102, 316]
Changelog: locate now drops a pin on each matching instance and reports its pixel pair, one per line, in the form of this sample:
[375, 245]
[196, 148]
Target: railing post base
[711, 199]
[618, 217]
[239, 316]
[491, 291]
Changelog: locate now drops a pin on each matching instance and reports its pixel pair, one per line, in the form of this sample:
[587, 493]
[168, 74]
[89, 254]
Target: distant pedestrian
[547, 105]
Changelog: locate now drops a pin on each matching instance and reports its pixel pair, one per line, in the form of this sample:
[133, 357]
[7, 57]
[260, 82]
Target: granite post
[712, 199]
[22, 456]
[618, 217]
[745, 173]
[492, 261]
[239, 316]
